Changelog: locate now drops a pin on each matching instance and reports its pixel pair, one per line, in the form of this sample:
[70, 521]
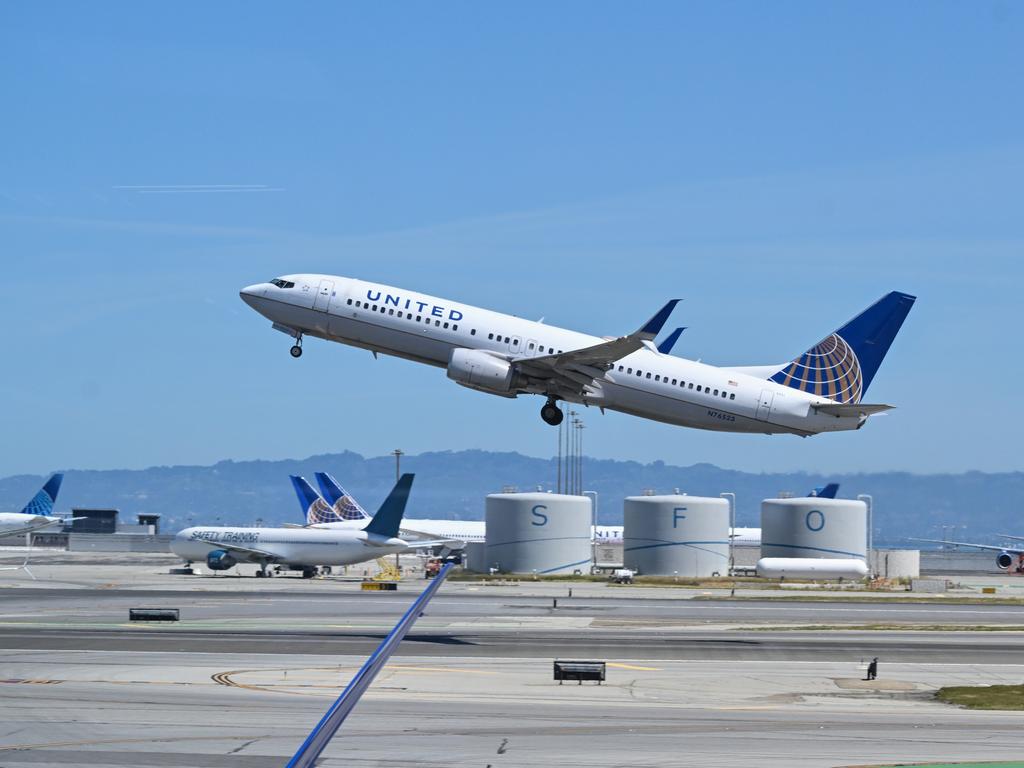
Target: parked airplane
[342, 511]
[819, 391]
[335, 507]
[344, 507]
[303, 549]
[1004, 559]
[38, 513]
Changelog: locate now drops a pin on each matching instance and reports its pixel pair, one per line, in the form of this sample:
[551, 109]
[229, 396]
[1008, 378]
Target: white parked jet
[300, 548]
[37, 515]
[819, 391]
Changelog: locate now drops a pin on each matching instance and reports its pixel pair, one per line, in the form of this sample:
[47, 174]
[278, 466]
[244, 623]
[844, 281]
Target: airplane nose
[250, 293]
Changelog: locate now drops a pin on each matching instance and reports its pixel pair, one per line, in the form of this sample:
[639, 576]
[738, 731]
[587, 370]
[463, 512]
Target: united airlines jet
[819, 391]
[37, 516]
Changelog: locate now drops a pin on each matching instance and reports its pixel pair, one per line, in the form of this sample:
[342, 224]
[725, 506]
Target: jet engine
[1004, 560]
[220, 560]
[482, 371]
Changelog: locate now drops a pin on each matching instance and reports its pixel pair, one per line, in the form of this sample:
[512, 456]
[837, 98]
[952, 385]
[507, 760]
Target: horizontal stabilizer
[666, 346]
[852, 409]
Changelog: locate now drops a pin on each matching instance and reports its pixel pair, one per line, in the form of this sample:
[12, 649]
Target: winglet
[666, 346]
[389, 517]
[42, 503]
[653, 326]
[324, 731]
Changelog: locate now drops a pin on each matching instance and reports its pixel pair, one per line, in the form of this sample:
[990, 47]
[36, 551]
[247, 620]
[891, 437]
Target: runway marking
[631, 666]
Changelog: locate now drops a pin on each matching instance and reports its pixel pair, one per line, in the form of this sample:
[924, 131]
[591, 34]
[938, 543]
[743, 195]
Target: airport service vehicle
[302, 549]
[500, 354]
[37, 515]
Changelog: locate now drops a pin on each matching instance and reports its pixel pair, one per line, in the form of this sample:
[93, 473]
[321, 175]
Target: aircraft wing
[577, 368]
[1011, 550]
[1008, 536]
[321, 736]
[248, 551]
[852, 409]
[450, 543]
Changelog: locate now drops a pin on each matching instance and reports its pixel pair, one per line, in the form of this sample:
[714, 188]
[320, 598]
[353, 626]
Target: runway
[711, 682]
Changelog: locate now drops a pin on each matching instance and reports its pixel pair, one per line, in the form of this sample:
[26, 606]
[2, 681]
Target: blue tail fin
[343, 505]
[42, 503]
[670, 341]
[314, 509]
[389, 517]
[825, 491]
[842, 365]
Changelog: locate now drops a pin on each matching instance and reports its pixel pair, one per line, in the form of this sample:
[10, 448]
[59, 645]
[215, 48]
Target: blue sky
[778, 165]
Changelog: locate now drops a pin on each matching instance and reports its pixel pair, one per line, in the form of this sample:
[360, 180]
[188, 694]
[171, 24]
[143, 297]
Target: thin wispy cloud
[171, 189]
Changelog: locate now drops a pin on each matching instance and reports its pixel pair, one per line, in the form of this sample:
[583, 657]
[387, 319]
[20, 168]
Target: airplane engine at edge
[483, 372]
[1004, 560]
[220, 560]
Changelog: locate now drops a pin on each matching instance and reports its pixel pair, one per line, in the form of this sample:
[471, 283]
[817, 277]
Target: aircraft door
[323, 295]
[532, 348]
[516, 345]
[764, 404]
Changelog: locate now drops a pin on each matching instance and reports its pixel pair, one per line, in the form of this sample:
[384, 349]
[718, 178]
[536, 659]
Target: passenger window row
[405, 315]
[514, 341]
[681, 384]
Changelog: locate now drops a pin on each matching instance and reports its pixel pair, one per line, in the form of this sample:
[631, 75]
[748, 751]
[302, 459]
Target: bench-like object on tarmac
[152, 614]
[579, 671]
[380, 586]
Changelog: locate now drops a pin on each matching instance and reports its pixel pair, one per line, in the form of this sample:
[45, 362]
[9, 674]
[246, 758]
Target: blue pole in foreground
[321, 736]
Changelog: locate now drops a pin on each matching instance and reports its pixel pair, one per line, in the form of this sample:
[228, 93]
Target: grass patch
[888, 628]
[831, 597]
[1006, 697]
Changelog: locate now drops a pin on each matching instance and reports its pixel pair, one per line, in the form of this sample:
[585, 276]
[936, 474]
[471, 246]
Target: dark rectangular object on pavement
[579, 671]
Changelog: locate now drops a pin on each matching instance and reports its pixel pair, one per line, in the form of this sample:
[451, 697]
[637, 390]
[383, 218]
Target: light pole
[578, 489]
[732, 528]
[570, 461]
[398, 453]
[558, 488]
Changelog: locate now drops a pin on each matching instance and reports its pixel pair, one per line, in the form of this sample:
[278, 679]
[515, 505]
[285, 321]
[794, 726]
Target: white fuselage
[13, 523]
[475, 530]
[646, 383]
[292, 546]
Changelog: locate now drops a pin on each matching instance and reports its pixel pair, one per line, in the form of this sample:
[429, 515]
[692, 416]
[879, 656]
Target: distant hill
[453, 485]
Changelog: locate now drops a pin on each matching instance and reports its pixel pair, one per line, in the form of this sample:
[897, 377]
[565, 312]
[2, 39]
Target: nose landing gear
[551, 413]
[296, 349]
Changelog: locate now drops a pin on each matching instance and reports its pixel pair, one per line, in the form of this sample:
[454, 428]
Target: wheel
[296, 351]
[551, 414]
[260, 574]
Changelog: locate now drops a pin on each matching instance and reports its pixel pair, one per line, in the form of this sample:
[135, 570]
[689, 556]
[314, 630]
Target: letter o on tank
[815, 520]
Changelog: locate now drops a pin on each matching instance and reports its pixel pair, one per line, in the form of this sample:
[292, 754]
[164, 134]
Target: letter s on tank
[540, 515]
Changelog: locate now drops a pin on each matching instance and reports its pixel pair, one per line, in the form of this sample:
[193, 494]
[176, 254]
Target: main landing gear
[296, 349]
[551, 413]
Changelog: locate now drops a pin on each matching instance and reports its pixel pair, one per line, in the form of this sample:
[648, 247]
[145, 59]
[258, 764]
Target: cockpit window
[282, 283]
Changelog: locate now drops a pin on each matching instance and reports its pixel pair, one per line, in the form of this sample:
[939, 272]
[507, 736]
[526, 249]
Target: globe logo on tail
[829, 369]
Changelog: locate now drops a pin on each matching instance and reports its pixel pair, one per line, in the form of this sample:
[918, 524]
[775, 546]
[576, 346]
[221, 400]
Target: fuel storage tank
[676, 535]
[814, 527]
[544, 533]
